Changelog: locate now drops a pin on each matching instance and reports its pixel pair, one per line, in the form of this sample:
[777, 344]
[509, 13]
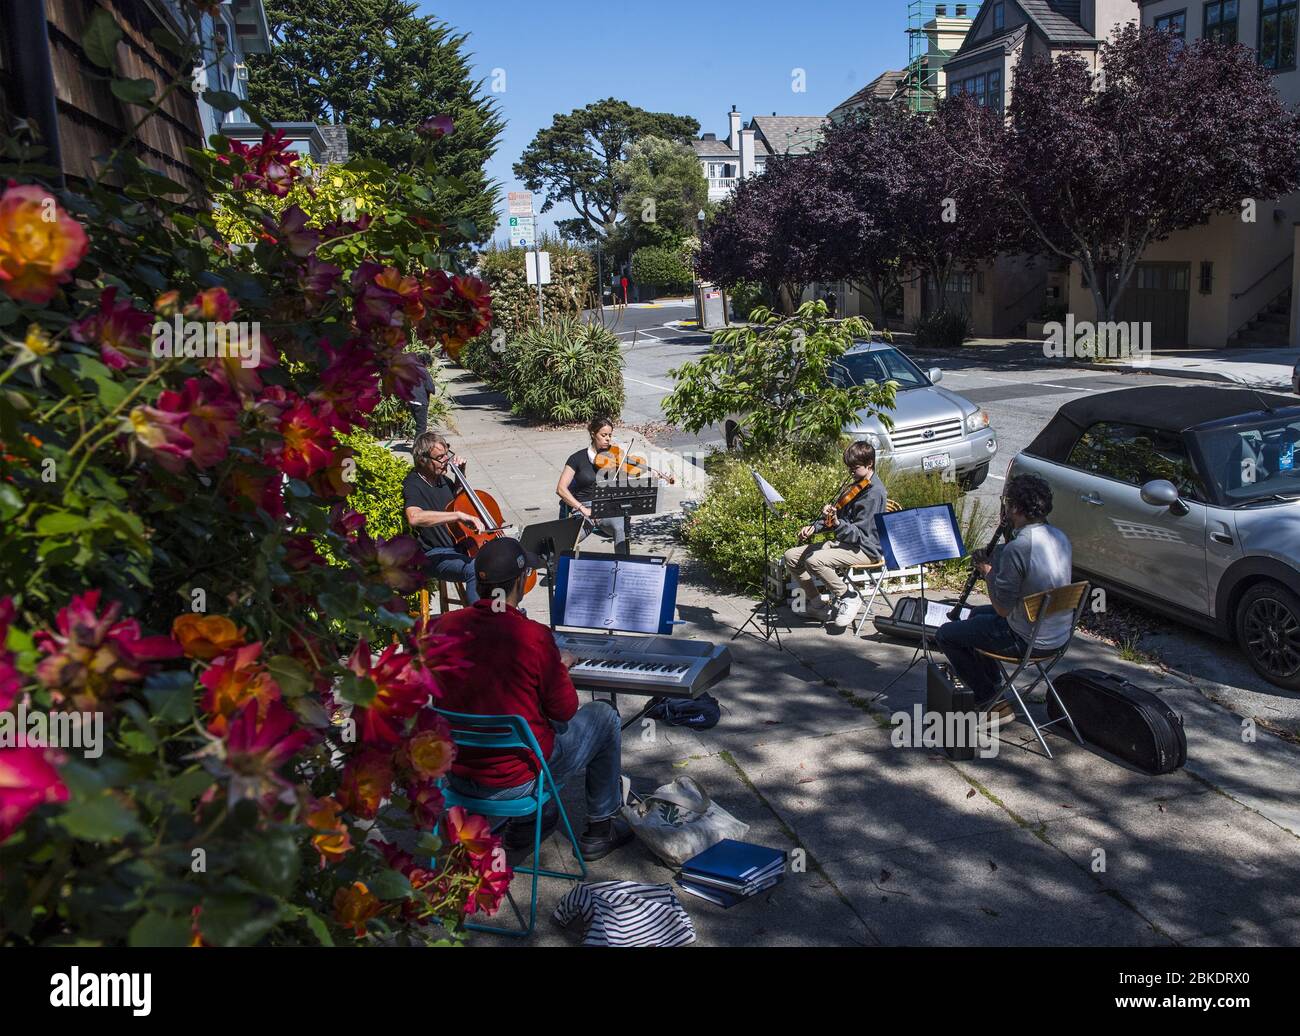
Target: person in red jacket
[515, 668]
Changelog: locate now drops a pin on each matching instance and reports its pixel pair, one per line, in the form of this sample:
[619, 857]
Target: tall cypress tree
[380, 69]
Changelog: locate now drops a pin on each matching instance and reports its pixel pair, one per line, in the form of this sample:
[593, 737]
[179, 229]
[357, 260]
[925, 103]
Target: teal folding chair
[506, 732]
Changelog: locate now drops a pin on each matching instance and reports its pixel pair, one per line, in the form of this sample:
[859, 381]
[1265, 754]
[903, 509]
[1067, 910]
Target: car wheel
[974, 478]
[1268, 630]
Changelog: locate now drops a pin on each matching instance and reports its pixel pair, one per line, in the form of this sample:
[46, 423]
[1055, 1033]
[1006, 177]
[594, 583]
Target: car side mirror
[1161, 493]
[935, 375]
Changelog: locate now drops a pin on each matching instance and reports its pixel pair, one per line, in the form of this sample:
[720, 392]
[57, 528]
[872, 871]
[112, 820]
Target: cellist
[855, 541]
[427, 493]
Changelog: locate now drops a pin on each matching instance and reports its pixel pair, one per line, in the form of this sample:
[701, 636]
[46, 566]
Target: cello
[484, 507]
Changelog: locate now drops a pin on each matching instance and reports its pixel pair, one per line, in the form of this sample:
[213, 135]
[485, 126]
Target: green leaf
[390, 884]
[222, 100]
[167, 40]
[99, 817]
[100, 39]
[155, 929]
[271, 861]
[170, 696]
[60, 523]
[189, 786]
[11, 502]
[290, 675]
[318, 927]
[132, 91]
[237, 920]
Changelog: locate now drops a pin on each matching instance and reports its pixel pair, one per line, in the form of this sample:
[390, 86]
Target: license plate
[935, 462]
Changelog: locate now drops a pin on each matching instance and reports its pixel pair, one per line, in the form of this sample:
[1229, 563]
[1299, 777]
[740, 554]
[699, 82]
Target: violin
[484, 507]
[615, 462]
[847, 495]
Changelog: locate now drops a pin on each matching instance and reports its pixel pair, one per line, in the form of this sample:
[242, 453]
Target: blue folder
[732, 861]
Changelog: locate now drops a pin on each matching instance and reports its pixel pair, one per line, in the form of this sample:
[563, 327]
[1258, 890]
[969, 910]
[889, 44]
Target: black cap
[503, 560]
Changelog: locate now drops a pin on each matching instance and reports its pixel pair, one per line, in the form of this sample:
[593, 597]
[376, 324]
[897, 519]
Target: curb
[1183, 372]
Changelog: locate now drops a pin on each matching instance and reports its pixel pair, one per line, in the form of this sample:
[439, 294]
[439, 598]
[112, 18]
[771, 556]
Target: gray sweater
[857, 528]
[1037, 558]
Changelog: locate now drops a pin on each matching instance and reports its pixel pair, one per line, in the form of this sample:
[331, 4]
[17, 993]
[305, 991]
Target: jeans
[591, 741]
[985, 629]
[450, 564]
[614, 527]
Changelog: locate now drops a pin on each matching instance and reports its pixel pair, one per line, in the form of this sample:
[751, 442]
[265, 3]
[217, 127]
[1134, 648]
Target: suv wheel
[1268, 630]
[974, 478]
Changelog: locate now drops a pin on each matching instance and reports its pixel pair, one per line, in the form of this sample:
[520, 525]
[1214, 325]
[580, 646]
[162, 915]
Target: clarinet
[1003, 529]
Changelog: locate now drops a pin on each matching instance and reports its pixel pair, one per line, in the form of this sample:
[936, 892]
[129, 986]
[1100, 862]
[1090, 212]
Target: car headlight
[977, 420]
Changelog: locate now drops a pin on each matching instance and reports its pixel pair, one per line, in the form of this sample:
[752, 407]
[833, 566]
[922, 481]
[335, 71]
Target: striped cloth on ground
[625, 913]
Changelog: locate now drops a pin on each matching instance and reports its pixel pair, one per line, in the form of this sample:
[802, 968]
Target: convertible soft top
[1168, 408]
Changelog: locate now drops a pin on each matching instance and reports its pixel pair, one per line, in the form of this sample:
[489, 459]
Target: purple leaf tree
[1099, 167]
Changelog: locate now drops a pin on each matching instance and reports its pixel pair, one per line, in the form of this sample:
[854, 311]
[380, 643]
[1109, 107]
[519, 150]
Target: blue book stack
[731, 871]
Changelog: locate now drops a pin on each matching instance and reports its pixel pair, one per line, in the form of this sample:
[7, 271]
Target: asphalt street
[1020, 388]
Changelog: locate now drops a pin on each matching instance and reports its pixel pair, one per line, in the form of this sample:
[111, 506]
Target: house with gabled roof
[747, 149]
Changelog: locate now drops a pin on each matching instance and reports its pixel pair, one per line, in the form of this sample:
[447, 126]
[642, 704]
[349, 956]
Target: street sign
[521, 203]
[532, 259]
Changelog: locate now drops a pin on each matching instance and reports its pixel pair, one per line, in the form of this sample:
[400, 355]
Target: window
[1277, 25]
[984, 89]
[1175, 23]
[999, 17]
[1136, 455]
[977, 89]
[995, 90]
[1221, 21]
[1207, 278]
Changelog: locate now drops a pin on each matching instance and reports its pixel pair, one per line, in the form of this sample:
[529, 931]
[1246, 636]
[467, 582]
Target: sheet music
[769, 494]
[605, 594]
[936, 613]
[923, 535]
[589, 596]
[638, 597]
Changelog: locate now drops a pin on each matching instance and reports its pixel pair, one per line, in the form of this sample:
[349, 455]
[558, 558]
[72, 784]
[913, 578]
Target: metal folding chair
[506, 732]
[1039, 606]
[868, 580]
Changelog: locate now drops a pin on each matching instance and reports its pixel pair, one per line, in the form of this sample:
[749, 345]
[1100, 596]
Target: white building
[746, 149]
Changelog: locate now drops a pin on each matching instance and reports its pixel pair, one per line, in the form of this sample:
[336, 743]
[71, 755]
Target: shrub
[565, 372]
[377, 488]
[514, 300]
[745, 298]
[943, 329]
[662, 267]
[726, 530]
[776, 376]
[488, 359]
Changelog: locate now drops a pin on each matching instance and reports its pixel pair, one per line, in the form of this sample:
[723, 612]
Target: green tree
[380, 69]
[576, 159]
[777, 377]
[664, 190]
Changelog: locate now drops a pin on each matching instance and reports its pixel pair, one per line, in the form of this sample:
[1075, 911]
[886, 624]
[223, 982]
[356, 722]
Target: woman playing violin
[601, 463]
[851, 519]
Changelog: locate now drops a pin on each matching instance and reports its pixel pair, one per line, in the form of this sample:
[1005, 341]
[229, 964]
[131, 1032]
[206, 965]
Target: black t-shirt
[434, 495]
[584, 476]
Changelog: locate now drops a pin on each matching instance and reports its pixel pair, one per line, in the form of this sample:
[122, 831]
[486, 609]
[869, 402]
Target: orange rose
[354, 906]
[333, 843]
[429, 754]
[231, 682]
[40, 244]
[206, 636]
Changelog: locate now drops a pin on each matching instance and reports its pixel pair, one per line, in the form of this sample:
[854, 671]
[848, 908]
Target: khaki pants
[824, 560]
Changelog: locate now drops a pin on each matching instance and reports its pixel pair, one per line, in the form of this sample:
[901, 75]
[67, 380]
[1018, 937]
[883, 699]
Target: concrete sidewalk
[901, 845]
[1252, 368]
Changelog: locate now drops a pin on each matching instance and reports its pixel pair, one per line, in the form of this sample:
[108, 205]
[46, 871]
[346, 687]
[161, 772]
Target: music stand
[917, 537]
[771, 502]
[623, 501]
[548, 540]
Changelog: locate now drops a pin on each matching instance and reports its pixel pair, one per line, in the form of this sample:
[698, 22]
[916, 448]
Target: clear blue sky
[688, 57]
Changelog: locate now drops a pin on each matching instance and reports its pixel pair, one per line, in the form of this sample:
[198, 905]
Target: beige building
[1230, 281]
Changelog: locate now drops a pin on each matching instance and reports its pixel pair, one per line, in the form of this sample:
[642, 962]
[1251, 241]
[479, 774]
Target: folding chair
[506, 732]
[1072, 598]
[870, 577]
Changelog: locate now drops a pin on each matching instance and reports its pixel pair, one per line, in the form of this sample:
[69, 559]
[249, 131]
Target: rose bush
[268, 769]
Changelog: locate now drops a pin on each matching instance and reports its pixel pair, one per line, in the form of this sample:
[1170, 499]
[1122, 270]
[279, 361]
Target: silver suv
[1186, 499]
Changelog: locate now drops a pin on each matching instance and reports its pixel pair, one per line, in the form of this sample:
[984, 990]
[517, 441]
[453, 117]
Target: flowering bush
[263, 774]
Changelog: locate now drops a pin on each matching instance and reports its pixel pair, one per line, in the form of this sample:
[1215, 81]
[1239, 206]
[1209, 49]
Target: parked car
[934, 429]
[1186, 499]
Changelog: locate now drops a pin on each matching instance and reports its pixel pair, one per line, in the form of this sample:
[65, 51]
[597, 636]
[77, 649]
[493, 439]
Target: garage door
[1159, 293]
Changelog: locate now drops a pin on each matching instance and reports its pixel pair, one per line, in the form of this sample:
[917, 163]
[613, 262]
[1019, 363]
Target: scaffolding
[935, 31]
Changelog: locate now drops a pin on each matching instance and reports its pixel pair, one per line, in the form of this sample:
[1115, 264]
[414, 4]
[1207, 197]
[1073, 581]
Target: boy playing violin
[854, 542]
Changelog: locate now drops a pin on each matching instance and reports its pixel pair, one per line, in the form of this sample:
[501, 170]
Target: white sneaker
[847, 608]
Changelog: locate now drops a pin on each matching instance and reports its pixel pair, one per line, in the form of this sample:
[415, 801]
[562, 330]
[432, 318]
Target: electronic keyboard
[657, 667]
